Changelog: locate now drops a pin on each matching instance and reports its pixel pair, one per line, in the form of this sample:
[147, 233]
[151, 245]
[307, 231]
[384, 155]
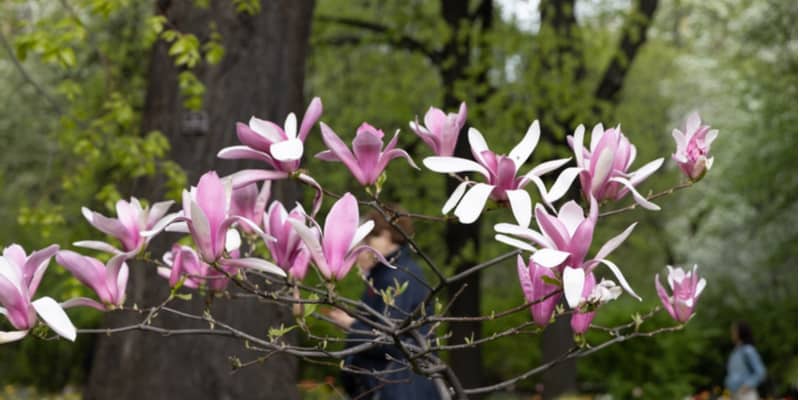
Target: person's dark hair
[744, 332]
[381, 224]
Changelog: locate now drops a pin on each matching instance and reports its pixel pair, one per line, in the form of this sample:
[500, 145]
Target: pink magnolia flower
[502, 183]
[686, 287]
[604, 167]
[587, 296]
[288, 249]
[534, 288]
[334, 249]
[563, 243]
[693, 146]
[207, 217]
[249, 203]
[441, 131]
[369, 157]
[108, 281]
[20, 276]
[281, 148]
[183, 261]
[132, 219]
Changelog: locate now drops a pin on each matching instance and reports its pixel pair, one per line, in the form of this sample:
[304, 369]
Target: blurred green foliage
[81, 79]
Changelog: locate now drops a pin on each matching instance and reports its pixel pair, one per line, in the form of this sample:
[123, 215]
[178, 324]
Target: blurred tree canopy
[76, 70]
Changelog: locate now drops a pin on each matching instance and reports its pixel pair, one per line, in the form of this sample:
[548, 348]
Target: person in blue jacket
[395, 385]
[745, 369]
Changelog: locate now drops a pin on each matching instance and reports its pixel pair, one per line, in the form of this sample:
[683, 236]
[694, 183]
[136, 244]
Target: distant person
[398, 385]
[745, 369]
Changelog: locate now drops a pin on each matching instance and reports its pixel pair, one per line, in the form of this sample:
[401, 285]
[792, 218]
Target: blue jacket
[744, 368]
[409, 385]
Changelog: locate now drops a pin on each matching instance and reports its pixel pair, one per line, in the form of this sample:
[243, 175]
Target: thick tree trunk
[455, 59]
[261, 74]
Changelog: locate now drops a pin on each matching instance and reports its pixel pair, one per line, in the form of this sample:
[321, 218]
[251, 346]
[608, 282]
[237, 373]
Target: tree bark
[454, 62]
[261, 74]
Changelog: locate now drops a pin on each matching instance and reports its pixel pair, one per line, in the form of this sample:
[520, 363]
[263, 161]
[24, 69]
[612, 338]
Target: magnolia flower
[686, 287]
[282, 148]
[693, 146]
[604, 167]
[441, 131]
[107, 281]
[249, 203]
[132, 219]
[564, 241]
[534, 288]
[288, 250]
[184, 262]
[588, 296]
[334, 249]
[502, 183]
[369, 158]
[207, 217]
[20, 276]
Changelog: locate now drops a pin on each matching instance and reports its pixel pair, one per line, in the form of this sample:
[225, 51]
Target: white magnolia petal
[597, 133]
[361, 233]
[448, 165]
[562, 185]
[571, 215]
[522, 151]
[645, 171]
[711, 136]
[476, 141]
[637, 197]
[550, 258]
[573, 280]
[525, 233]
[290, 126]
[455, 197]
[265, 129]
[620, 278]
[605, 162]
[97, 245]
[577, 145]
[256, 264]
[521, 207]
[164, 223]
[232, 240]
[287, 150]
[12, 336]
[471, 205]
[55, 317]
[693, 123]
[680, 140]
[546, 167]
[514, 242]
[614, 242]
[179, 227]
[11, 271]
[701, 284]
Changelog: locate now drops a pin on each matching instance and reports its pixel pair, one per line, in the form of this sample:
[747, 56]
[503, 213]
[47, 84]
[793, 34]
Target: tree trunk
[466, 363]
[261, 74]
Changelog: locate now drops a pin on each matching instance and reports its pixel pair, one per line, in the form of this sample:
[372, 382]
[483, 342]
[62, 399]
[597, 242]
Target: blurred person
[745, 369]
[396, 385]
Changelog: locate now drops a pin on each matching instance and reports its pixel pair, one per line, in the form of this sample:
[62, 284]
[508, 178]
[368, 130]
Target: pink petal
[311, 116]
[342, 153]
[340, 227]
